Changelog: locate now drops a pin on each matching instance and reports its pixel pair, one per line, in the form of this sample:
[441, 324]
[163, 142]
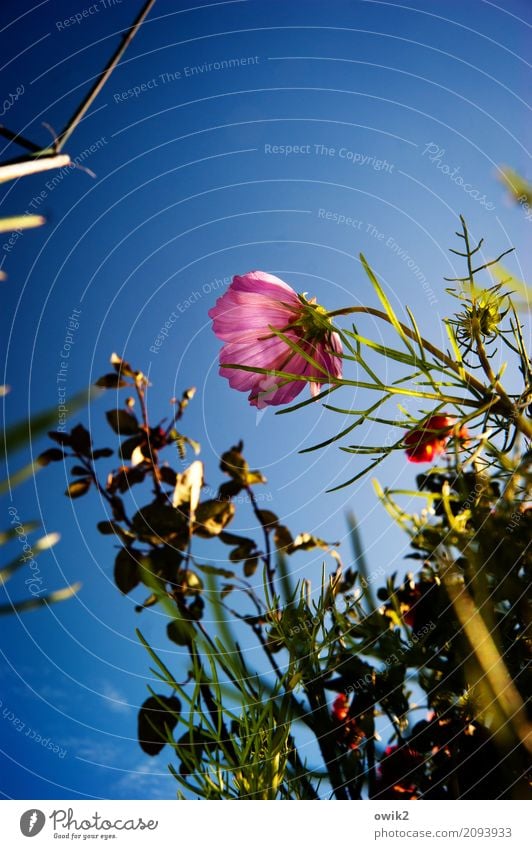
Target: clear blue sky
[191, 187]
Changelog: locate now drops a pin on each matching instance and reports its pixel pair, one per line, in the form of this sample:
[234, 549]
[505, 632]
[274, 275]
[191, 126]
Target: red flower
[340, 708]
[349, 732]
[426, 443]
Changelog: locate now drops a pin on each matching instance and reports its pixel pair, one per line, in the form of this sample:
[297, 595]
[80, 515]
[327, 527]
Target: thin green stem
[336, 381]
[140, 389]
[471, 380]
[270, 571]
[504, 405]
[325, 741]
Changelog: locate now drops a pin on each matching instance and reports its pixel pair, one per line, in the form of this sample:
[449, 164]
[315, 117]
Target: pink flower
[243, 318]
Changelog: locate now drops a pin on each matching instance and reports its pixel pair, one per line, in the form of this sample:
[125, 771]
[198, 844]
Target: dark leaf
[242, 551]
[190, 748]
[60, 437]
[52, 455]
[157, 717]
[119, 514]
[108, 528]
[125, 478]
[195, 608]
[233, 539]
[122, 422]
[233, 463]
[80, 439]
[229, 490]
[215, 570]
[102, 452]
[158, 522]
[250, 566]
[165, 562]
[111, 381]
[180, 632]
[168, 475]
[128, 446]
[78, 470]
[127, 570]
[268, 518]
[122, 367]
[282, 537]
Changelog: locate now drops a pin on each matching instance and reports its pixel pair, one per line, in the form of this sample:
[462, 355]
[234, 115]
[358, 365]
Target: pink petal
[265, 284]
[269, 353]
[254, 316]
[266, 394]
[272, 391]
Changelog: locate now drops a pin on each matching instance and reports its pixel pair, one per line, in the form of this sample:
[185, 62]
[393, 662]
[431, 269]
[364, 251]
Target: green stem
[505, 405]
[103, 77]
[428, 346]
[520, 423]
[326, 743]
[270, 571]
[359, 384]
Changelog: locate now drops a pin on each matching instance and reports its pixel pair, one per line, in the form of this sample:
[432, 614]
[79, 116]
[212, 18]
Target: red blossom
[426, 443]
[350, 732]
[340, 708]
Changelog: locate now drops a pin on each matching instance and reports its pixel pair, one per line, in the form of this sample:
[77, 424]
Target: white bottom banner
[416, 825]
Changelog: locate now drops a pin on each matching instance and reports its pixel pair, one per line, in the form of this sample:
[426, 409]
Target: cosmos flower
[243, 318]
[397, 769]
[426, 443]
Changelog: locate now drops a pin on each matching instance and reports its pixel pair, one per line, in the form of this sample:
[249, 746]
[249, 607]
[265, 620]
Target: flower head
[426, 443]
[245, 318]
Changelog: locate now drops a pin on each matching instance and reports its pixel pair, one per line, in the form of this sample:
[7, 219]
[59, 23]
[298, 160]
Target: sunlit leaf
[78, 488]
[188, 487]
[212, 517]
[20, 222]
[42, 601]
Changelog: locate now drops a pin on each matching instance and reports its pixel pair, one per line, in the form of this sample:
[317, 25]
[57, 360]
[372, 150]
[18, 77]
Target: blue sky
[193, 184]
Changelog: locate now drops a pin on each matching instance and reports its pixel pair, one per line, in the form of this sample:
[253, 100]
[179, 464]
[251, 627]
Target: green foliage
[435, 378]
[15, 439]
[352, 661]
